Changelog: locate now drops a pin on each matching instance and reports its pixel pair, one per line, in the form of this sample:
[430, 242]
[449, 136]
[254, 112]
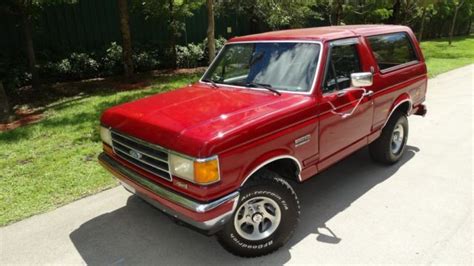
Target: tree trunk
[127, 52]
[337, 13]
[329, 16]
[428, 31]
[395, 17]
[451, 32]
[469, 26]
[211, 42]
[174, 30]
[440, 33]
[30, 49]
[422, 26]
[5, 110]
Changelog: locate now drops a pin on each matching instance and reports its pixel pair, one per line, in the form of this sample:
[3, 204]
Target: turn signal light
[206, 172]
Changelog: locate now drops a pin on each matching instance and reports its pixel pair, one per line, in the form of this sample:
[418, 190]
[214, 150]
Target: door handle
[348, 114]
[341, 93]
[368, 93]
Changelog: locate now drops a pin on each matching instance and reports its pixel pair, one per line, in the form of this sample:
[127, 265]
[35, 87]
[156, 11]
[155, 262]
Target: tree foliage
[28, 10]
[174, 11]
[432, 17]
[428, 18]
[275, 14]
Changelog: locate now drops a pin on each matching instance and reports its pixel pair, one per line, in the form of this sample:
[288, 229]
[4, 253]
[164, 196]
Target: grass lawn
[53, 162]
[440, 57]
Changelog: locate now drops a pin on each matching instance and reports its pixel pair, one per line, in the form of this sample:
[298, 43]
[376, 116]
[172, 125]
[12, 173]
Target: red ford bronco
[273, 109]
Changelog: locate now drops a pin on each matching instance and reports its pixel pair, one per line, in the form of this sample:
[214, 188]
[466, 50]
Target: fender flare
[399, 101]
[268, 158]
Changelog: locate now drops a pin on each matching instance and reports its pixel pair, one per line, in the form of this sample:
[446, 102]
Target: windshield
[280, 65]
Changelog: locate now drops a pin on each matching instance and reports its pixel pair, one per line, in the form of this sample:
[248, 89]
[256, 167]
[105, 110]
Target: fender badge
[303, 140]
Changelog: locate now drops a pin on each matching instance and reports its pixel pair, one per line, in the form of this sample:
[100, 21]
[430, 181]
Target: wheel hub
[397, 139]
[257, 218]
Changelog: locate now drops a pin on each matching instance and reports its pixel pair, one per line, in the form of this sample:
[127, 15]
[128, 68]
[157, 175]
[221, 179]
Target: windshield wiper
[213, 83]
[262, 85]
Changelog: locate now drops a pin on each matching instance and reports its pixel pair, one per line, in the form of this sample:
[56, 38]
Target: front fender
[266, 159]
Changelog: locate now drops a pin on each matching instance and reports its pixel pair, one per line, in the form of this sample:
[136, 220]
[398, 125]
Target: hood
[199, 120]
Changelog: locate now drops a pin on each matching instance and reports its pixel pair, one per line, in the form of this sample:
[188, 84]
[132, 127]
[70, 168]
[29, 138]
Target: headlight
[181, 167]
[199, 171]
[105, 135]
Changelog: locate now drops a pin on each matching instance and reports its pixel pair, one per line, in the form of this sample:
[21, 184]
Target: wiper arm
[213, 83]
[263, 85]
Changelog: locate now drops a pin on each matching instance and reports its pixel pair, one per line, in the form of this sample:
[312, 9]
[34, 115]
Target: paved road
[418, 211]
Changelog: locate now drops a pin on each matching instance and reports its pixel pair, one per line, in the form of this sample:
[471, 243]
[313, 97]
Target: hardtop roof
[322, 33]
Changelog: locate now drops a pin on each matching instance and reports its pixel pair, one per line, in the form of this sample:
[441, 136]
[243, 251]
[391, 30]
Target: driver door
[345, 112]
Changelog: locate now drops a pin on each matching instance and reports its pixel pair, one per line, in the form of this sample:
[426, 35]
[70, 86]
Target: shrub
[190, 55]
[83, 65]
[76, 66]
[112, 61]
[14, 77]
[64, 67]
[193, 55]
[219, 44]
[145, 60]
[13, 71]
[56, 70]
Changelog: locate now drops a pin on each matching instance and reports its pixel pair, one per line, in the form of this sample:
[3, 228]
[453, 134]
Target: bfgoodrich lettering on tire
[265, 218]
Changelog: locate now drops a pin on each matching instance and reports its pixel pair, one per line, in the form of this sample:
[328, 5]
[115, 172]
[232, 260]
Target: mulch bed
[23, 117]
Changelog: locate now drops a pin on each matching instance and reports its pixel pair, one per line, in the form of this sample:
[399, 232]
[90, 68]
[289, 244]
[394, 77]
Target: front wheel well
[287, 168]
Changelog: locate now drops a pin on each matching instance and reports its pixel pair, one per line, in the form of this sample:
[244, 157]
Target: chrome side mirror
[361, 79]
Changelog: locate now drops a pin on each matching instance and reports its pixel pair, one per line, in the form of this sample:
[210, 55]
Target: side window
[343, 61]
[392, 49]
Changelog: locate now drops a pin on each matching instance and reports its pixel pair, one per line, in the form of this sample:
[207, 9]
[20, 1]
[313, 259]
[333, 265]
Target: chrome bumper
[120, 171]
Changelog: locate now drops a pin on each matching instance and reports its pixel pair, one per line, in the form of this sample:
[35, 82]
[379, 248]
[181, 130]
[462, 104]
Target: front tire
[390, 146]
[265, 218]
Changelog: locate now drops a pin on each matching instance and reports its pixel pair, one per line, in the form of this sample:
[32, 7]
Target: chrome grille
[147, 156]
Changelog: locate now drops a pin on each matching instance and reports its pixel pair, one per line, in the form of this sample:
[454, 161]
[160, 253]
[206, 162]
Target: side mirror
[361, 79]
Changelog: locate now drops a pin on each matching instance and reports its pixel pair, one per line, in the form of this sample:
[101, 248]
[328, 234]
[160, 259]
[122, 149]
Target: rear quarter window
[392, 50]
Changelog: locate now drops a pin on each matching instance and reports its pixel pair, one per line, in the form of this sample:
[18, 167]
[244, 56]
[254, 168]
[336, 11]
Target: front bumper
[207, 217]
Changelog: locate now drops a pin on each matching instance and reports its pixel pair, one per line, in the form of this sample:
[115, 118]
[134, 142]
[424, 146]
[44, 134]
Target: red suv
[273, 109]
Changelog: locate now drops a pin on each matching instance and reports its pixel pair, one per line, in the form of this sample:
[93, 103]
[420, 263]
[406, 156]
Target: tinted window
[392, 49]
[343, 61]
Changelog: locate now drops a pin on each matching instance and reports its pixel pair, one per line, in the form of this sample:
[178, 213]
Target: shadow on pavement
[140, 234]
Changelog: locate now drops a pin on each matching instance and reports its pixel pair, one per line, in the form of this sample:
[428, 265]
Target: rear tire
[265, 218]
[390, 146]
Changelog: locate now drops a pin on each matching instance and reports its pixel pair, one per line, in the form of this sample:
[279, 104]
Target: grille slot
[149, 157]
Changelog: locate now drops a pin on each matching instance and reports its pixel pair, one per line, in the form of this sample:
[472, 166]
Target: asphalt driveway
[417, 211]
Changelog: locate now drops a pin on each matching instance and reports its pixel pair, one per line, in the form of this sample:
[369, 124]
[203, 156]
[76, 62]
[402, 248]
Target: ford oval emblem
[135, 154]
